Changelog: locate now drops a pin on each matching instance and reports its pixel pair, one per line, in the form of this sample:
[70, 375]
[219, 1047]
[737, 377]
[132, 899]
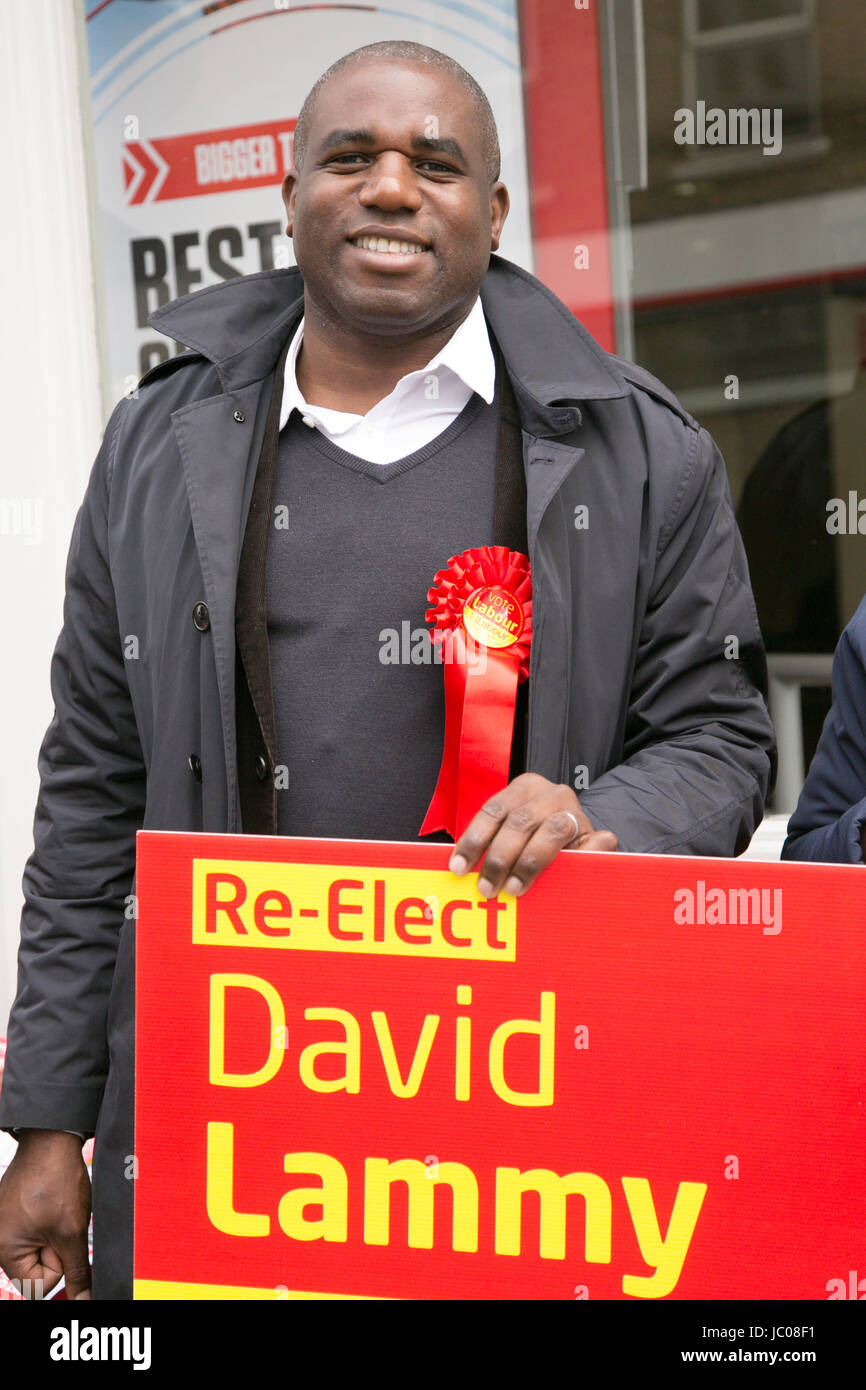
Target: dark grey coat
[637, 617]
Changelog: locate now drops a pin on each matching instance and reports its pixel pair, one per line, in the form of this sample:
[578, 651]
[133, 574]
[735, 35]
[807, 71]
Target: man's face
[393, 153]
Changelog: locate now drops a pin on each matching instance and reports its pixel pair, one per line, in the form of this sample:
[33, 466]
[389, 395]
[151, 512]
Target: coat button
[261, 767]
[195, 766]
[240, 417]
[201, 617]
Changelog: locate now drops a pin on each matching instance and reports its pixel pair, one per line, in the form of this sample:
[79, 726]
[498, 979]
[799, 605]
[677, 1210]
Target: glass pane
[719, 14]
[768, 74]
[749, 301]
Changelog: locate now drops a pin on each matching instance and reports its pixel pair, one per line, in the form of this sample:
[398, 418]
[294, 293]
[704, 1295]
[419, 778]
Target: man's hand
[45, 1211]
[522, 829]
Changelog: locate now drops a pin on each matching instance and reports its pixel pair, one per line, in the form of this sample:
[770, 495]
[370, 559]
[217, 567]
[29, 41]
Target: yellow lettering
[410, 1086]
[552, 1190]
[217, 1074]
[666, 1256]
[379, 1174]
[462, 1059]
[545, 1031]
[332, 1197]
[350, 1049]
[219, 1187]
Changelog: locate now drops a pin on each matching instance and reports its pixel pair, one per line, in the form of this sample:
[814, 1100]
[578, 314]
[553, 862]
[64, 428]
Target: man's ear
[290, 193]
[499, 205]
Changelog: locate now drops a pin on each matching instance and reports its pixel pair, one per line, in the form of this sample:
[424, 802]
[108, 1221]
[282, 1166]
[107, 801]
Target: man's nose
[392, 184]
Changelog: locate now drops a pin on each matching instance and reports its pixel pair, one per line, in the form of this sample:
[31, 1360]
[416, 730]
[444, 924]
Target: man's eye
[431, 166]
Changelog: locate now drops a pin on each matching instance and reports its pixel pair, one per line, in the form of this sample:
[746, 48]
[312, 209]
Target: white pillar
[52, 415]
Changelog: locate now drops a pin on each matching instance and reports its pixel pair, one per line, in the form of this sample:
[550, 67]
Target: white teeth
[378, 243]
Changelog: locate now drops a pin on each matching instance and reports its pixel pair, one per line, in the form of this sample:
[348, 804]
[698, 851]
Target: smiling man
[274, 501]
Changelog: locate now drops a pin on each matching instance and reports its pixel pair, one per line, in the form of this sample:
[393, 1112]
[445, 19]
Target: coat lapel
[529, 474]
[548, 464]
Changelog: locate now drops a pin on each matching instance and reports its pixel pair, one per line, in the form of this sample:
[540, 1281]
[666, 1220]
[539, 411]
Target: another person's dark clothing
[831, 813]
[782, 517]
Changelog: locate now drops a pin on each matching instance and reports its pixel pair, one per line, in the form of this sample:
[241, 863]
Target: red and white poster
[194, 106]
[356, 1078]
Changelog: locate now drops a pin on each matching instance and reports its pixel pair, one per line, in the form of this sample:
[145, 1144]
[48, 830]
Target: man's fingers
[51, 1268]
[33, 1273]
[476, 837]
[515, 842]
[527, 840]
[518, 832]
[498, 834]
[484, 826]
[76, 1265]
[36, 1272]
[555, 832]
[602, 841]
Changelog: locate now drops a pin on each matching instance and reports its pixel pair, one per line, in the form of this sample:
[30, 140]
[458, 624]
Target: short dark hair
[405, 51]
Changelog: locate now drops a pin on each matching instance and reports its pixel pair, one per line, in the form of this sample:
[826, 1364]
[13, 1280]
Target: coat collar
[241, 325]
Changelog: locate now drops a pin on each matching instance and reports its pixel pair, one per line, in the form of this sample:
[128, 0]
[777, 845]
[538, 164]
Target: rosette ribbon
[481, 614]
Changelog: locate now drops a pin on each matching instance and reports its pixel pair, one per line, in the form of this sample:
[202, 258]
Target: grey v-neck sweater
[354, 546]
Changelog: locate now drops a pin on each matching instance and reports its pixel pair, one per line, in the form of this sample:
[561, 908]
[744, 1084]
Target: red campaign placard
[355, 1078]
[207, 161]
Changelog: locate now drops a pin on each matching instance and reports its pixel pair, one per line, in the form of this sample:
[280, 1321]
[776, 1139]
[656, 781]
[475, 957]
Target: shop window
[755, 55]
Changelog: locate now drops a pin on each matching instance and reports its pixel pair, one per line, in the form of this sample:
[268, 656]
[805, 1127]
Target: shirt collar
[467, 353]
[241, 326]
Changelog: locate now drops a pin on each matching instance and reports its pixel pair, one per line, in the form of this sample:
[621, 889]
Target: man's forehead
[387, 95]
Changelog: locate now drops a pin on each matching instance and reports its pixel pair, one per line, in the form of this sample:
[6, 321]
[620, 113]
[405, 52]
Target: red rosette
[488, 566]
[481, 614]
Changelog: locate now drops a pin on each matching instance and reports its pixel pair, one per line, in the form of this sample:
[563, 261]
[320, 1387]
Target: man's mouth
[389, 246]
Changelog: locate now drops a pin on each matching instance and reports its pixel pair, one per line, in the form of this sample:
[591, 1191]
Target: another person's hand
[44, 1214]
[520, 830]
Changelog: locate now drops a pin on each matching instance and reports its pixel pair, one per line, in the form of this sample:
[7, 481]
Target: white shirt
[421, 406]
